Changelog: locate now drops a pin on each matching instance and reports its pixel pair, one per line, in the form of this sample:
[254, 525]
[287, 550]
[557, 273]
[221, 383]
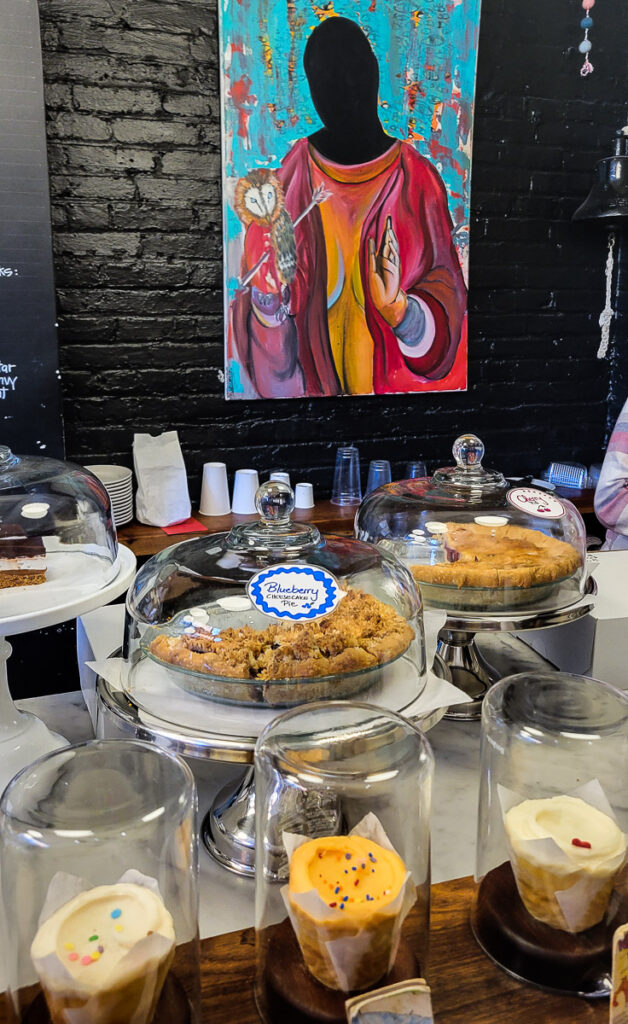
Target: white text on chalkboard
[7, 382]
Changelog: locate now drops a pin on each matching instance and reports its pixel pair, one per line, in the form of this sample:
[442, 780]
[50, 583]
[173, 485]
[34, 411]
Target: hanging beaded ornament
[585, 45]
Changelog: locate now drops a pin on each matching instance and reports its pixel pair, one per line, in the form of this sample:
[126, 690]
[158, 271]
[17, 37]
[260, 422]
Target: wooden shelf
[148, 540]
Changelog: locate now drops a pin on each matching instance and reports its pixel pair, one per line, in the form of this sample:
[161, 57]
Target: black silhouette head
[343, 76]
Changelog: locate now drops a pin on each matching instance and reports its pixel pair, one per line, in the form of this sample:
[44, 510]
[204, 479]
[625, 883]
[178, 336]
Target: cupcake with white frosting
[103, 957]
[565, 855]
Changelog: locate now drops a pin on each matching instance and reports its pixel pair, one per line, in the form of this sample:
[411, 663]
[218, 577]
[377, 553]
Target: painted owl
[259, 199]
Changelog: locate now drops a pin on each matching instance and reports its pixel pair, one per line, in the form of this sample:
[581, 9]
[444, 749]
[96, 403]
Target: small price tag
[619, 989]
[294, 592]
[407, 1002]
[536, 503]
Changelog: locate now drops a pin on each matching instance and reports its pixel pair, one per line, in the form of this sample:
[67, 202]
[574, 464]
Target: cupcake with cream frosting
[103, 957]
[347, 898]
[565, 855]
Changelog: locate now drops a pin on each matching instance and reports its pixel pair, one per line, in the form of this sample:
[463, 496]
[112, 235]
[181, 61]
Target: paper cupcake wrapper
[347, 956]
[139, 976]
[569, 899]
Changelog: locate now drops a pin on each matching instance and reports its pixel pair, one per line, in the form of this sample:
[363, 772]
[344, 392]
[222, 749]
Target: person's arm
[611, 494]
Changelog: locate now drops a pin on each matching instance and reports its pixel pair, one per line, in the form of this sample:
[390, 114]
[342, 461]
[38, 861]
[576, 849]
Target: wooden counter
[148, 540]
[467, 988]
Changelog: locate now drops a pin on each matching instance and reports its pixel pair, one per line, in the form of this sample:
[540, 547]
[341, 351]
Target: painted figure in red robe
[350, 282]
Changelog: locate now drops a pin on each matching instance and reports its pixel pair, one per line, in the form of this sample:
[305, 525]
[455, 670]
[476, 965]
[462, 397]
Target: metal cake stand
[468, 667]
[228, 829]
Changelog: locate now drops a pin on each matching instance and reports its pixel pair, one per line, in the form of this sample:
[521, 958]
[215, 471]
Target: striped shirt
[611, 494]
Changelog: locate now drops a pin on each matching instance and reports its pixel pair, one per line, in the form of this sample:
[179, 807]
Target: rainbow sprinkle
[116, 913]
[73, 956]
[86, 960]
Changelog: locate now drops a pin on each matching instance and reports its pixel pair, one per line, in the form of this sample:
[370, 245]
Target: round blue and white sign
[294, 592]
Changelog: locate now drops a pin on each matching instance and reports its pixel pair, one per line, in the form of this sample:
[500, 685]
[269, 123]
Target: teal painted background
[427, 59]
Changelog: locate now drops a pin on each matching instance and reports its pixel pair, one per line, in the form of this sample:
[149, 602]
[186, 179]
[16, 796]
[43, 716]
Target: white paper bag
[162, 487]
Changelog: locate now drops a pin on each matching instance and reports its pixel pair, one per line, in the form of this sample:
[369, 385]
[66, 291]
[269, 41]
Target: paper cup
[215, 490]
[245, 485]
[282, 476]
[303, 496]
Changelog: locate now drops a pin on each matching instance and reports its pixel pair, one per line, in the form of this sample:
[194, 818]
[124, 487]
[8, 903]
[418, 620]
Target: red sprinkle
[582, 843]
[333, 904]
[357, 881]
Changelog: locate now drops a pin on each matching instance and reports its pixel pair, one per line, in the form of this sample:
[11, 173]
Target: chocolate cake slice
[22, 558]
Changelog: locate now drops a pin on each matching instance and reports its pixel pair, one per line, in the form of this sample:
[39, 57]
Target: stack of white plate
[118, 481]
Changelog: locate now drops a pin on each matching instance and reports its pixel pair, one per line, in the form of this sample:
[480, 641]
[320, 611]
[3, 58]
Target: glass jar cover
[56, 531]
[273, 614]
[474, 542]
[553, 818]
[342, 871]
[99, 887]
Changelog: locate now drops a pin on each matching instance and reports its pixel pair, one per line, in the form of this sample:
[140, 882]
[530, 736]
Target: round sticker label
[294, 592]
[537, 503]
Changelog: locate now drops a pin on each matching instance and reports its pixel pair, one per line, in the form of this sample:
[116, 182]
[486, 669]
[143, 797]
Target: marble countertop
[226, 899]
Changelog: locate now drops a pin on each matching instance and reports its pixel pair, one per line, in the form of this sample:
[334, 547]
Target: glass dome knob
[274, 501]
[7, 458]
[468, 451]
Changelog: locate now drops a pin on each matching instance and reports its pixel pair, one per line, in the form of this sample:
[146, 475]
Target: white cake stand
[23, 737]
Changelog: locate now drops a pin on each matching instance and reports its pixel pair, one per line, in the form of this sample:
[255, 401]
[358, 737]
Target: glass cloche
[274, 614]
[56, 532]
[475, 542]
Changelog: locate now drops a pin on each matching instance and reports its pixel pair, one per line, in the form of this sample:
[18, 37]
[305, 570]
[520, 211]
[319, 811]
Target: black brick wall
[133, 128]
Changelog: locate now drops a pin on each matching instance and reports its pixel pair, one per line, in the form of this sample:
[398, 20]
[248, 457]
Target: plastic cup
[215, 490]
[415, 470]
[347, 489]
[245, 485]
[303, 496]
[379, 473]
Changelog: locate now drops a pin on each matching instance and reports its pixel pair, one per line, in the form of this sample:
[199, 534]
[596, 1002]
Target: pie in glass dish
[478, 555]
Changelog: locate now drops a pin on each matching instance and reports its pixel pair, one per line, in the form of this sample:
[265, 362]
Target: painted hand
[384, 277]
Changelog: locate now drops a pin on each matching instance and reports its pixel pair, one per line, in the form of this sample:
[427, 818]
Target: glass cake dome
[56, 532]
[475, 542]
[273, 614]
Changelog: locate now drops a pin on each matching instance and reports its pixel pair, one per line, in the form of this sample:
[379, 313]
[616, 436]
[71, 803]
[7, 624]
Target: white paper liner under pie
[546, 855]
[144, 957]
[345, 954]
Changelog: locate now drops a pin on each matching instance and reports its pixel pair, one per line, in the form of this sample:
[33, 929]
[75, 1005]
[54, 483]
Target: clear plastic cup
[347, 489]
[379, 474]
[415, 470]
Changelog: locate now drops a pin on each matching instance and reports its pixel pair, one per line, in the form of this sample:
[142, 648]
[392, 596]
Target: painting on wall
[346, 133]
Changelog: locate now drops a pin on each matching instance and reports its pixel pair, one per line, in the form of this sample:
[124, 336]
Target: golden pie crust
[499, 556]
[360, 633]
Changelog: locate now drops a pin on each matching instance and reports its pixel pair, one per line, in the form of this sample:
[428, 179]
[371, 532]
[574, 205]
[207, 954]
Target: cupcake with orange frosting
[347, 898]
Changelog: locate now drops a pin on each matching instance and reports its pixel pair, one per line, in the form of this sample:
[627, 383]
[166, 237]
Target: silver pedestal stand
[469, 669]
[228, 829]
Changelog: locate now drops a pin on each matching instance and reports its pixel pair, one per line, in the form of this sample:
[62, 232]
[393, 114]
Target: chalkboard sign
[30, 391]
